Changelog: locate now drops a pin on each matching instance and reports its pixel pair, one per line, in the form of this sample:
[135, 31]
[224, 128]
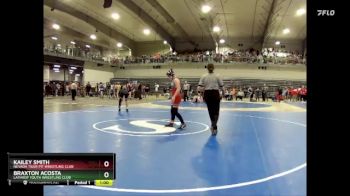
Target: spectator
[156, 87]
[240, 95]
[186, 88]
[73, 88]
[88, 88]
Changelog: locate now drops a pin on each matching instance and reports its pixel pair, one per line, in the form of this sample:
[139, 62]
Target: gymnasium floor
[260, 148]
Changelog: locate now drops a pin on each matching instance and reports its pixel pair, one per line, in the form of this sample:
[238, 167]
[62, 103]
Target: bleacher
[228, 83]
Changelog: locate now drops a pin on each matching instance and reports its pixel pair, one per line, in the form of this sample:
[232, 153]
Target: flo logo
[325, 12]
[148, 127]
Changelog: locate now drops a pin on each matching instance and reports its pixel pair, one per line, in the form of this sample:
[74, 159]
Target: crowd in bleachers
[249, 56]
[255, 94]
[99, 89]
[139, 91]
[267, 55]
[59, 88]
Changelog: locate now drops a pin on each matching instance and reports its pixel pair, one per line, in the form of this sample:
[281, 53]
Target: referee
[211, 83]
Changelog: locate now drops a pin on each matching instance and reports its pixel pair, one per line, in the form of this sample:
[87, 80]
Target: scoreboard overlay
[61, 168]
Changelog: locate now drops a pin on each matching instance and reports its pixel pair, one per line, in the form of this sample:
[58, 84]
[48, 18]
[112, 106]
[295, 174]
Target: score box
[60, 168]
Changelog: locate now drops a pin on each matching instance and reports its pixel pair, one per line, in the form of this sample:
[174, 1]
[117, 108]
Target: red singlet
[177, 98]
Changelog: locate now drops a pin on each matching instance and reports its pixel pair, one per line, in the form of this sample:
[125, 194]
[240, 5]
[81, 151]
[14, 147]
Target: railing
[228, 83]
[175, 59]
[81, 57]
[226, 59]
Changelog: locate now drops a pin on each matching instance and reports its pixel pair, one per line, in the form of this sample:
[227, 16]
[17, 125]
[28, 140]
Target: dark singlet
[123, 93]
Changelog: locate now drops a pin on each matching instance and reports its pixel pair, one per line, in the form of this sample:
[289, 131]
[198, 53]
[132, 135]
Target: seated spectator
[240, 95]
[197, 98]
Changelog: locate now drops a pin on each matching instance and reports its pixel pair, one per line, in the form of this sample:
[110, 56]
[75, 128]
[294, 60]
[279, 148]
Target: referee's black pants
[212, 99]
[74, 93]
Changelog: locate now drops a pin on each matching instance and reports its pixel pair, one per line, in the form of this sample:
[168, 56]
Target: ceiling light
[277, 42]
[73, 67]
[72, 42]
[301, 11]
[93, 36]
[54, 38]
[146, 31]
[119, 45]
[115, 16]
[56, 65]
[77, 74]
[286, 31]
[165, 42]
[222, 41]
[56, 26]
[56, 69]
[206, 8]
[216, 29]
[59, 45]
[88, 46]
